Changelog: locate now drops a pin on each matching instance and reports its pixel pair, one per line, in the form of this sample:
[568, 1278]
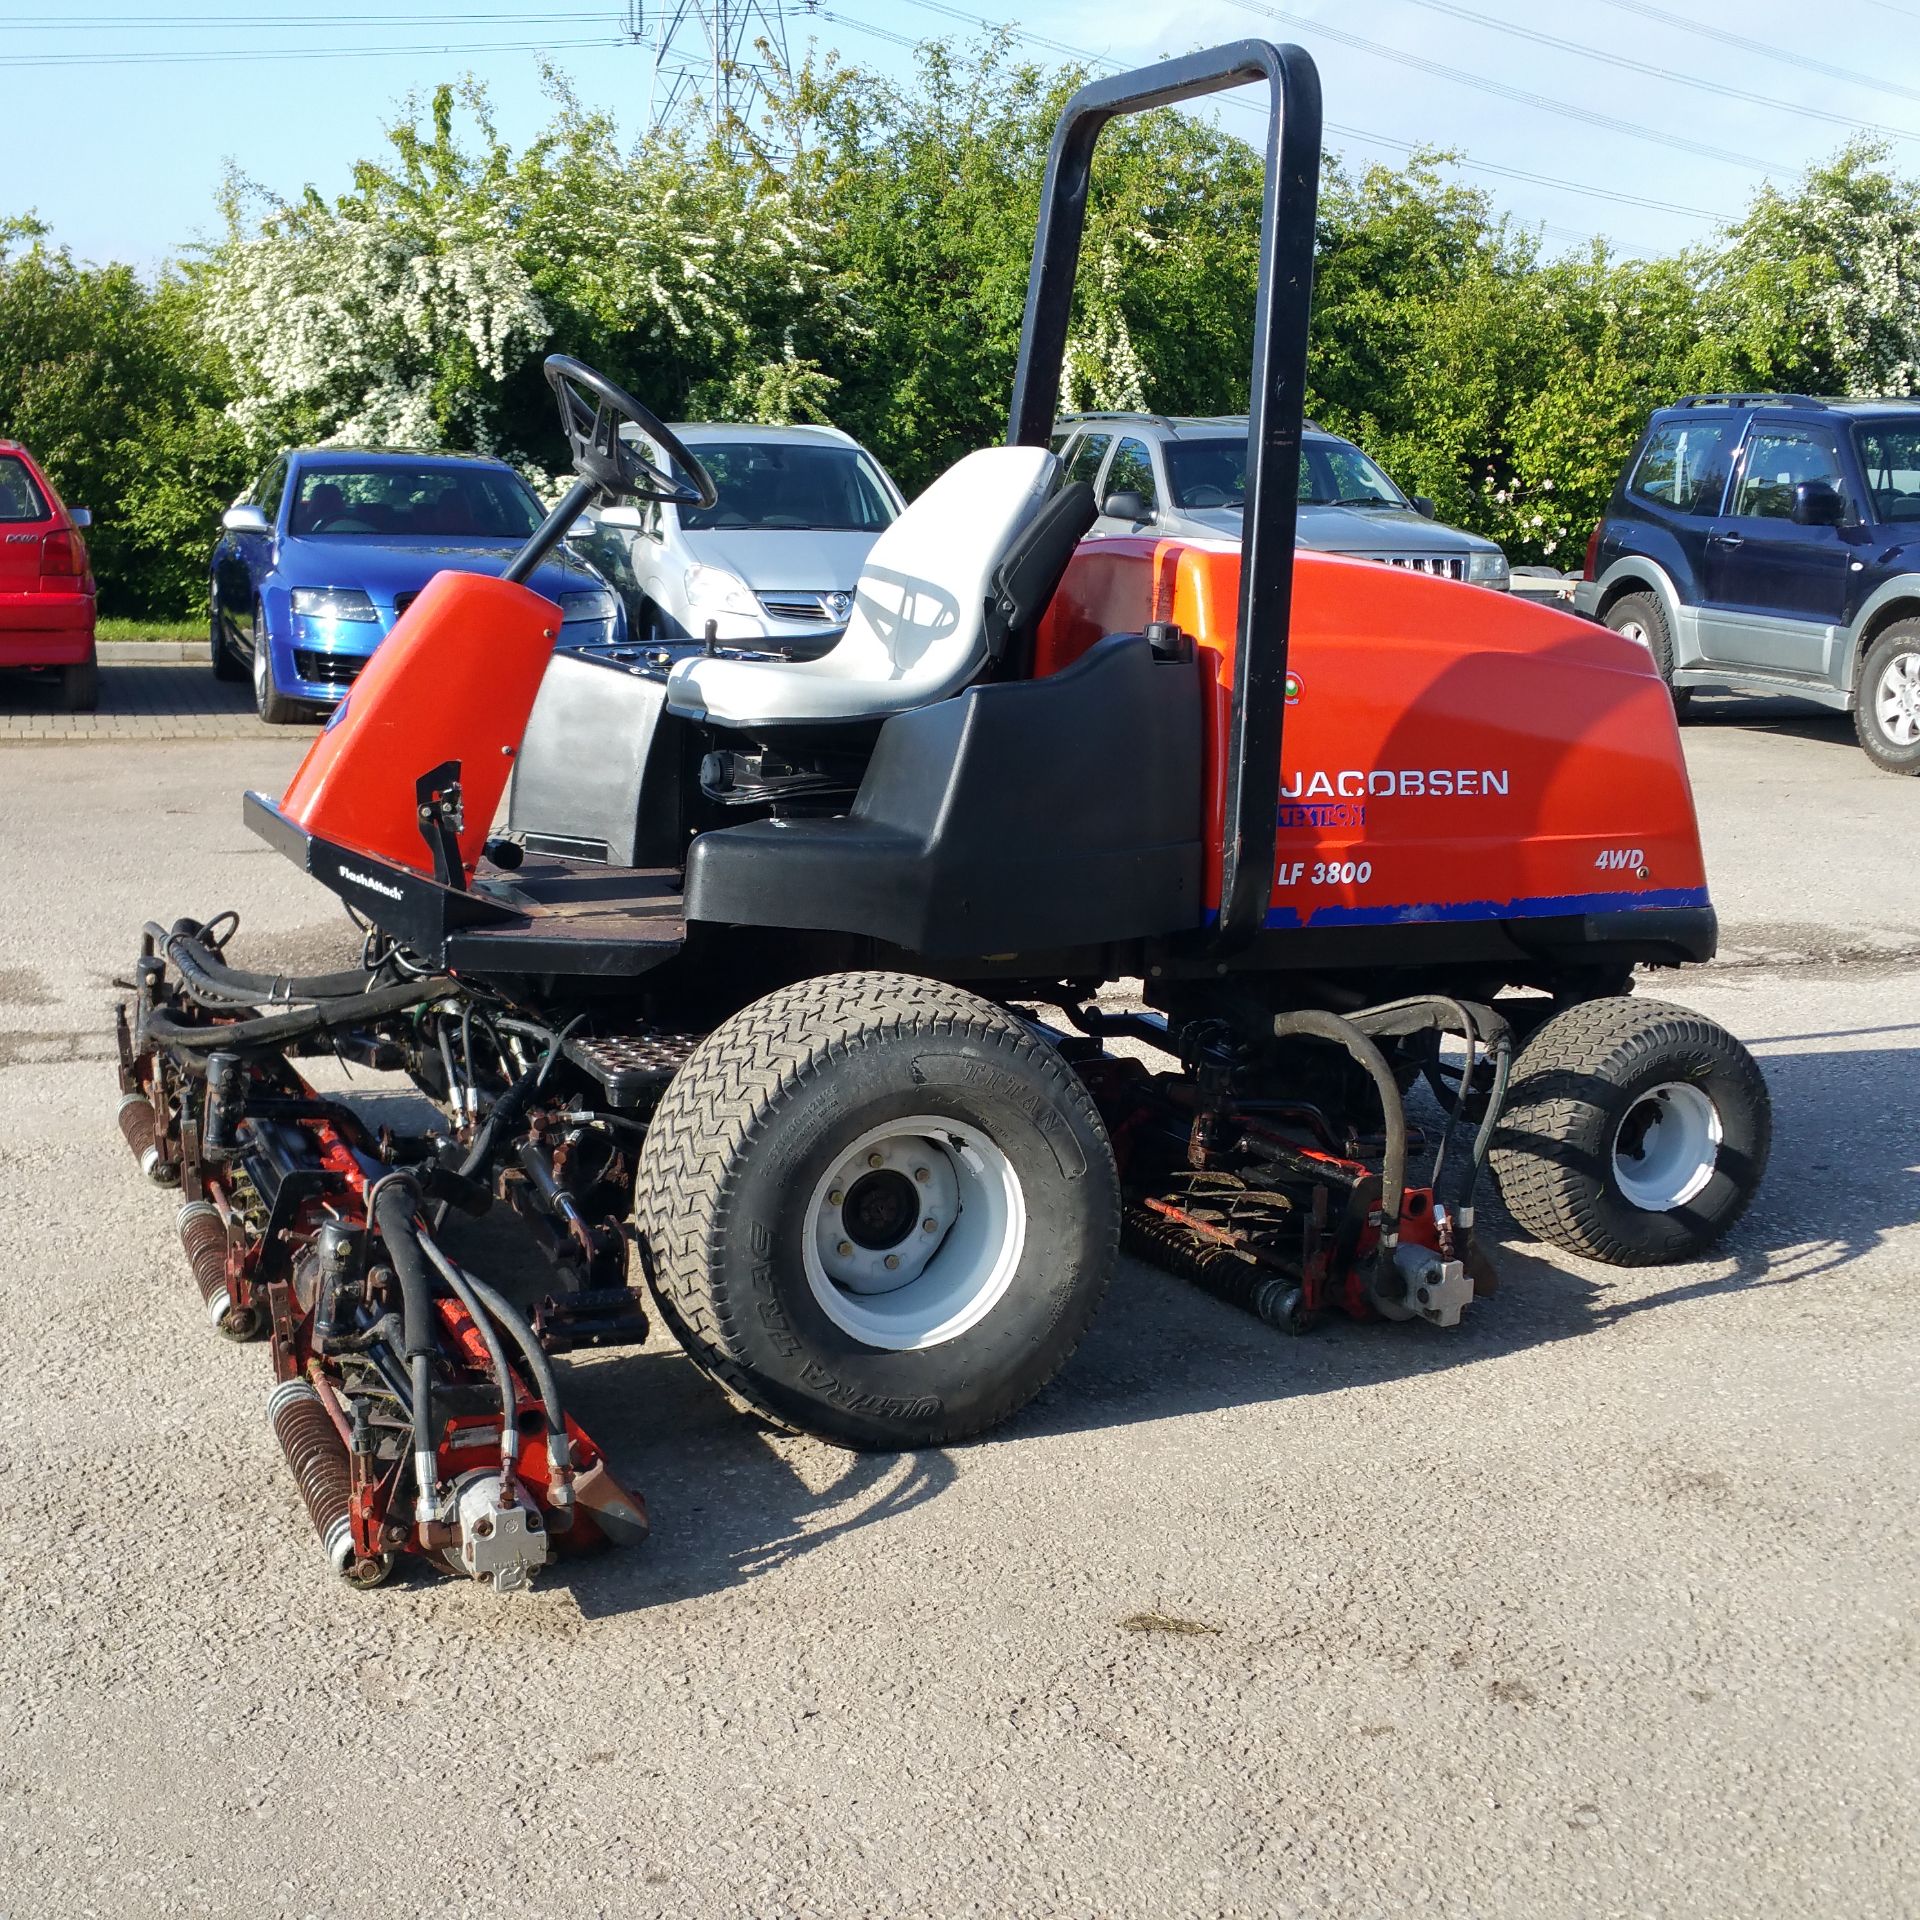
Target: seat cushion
[917, 632]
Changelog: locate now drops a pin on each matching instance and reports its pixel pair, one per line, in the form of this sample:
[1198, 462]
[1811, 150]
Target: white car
[773, 561]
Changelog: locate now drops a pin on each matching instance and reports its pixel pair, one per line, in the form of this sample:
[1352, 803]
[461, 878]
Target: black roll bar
[1276, 399]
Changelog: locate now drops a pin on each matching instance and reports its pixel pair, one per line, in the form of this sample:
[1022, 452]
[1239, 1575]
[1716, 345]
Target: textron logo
[370, 883]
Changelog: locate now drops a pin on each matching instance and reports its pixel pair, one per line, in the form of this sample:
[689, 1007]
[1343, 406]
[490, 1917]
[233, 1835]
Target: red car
[46, 583]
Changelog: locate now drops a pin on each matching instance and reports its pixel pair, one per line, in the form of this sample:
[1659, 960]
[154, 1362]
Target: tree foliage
[860, 255]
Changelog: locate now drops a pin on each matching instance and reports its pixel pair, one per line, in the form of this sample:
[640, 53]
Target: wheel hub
[1667, 1146]
[914, 1233]
[1897, 700]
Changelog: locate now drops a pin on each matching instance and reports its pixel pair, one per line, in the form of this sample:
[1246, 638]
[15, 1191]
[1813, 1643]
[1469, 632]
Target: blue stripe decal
[1539, 907]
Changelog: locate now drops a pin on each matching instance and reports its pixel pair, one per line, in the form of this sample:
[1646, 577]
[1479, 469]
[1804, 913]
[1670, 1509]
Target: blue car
[330, 546]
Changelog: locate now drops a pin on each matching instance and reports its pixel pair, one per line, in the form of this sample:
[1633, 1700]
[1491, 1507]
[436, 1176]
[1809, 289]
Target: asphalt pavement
[1602, 1604]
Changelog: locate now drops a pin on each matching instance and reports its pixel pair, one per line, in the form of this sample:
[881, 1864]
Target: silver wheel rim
[1634, 630]
[1666, 1147]
[914, 1234]
[260, 661]
[1896, 700]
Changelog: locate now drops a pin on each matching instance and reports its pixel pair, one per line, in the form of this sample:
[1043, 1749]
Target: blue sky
[121, 115]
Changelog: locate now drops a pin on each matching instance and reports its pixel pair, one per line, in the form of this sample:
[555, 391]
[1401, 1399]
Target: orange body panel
[454, 680]
[1450, 753]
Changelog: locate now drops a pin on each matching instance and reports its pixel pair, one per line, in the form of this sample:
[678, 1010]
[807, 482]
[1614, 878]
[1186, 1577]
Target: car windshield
[19, 497]
[1213, 473]
[790, 484]
[438, 502]
[1891, 457]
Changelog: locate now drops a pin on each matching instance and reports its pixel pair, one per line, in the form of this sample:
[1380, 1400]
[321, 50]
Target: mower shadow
[731, 1501]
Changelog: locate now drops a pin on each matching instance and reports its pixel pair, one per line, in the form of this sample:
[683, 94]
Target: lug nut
[922, 1173]
[929, 1226]
[876, 1159]
[893, 1260]
[835, 1198]
[844, 1248]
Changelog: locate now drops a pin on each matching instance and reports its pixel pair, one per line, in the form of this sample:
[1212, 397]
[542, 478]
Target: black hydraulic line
[559, 1449]
[277, 1029]
[1502, 1044]
[1416, 1014]
[506, 1112]
[393, 1200]
[202, 968]
[1311, 1023]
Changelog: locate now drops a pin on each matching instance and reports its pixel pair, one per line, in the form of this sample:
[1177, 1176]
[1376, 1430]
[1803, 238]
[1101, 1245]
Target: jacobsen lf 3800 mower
[783, 976]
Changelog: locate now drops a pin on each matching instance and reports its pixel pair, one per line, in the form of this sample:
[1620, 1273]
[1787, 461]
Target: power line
[1420, 63]
[1362, 134]
[1666, 73]
[1799, 61]
[226, 56]
[173, 22]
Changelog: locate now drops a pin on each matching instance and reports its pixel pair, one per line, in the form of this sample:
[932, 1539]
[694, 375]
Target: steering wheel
[592, 410]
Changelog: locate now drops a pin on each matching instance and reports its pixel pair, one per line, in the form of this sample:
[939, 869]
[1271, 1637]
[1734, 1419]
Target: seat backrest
[919, 611]
[918, 629]
[1030, 573]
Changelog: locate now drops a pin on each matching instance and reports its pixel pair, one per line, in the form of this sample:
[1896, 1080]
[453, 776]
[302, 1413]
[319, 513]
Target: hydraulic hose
[1310, 1023]
[205, 974]
[559, 1452]
[391, 1203]
[277, 1029]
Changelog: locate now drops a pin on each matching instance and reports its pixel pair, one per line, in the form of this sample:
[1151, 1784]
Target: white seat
[917, 632]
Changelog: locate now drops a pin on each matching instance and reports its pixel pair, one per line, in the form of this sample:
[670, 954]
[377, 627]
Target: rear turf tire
[80, 685]
[1641, 617]
[754, 1175]
[1886, 711]
[1635, 1132]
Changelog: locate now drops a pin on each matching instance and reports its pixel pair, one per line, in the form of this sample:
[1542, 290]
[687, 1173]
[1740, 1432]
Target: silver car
[1189, 476]
[773, 561]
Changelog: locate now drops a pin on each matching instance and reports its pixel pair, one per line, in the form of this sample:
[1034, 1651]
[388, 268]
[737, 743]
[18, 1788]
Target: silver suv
[1189, 476]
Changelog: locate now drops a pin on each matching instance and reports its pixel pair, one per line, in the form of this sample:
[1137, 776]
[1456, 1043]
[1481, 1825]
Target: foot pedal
[599, 1317]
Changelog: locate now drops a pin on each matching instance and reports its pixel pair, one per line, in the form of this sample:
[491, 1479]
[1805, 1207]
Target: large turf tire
[1882, 718]
[750, 1134]
[1582, 1089]
[1640, 616]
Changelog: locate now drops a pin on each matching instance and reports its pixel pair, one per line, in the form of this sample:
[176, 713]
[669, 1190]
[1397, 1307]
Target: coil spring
[1216, 1270]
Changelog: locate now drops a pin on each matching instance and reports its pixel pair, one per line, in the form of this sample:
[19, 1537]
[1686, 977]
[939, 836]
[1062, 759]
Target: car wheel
[269, 702]
[225, 666]
[80, 685]
[1886, 711]
[1635, 1132]
[1639, 616]
[878, 1209]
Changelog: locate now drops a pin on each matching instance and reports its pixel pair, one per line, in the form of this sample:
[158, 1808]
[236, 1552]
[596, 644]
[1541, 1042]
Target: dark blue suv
[1770, 543]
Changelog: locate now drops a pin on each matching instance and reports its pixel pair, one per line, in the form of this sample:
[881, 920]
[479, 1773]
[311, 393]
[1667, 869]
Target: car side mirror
[80, 517]
[245, 520]
[1127, 506]
[629, 519]
[1817, 503]
[1423, 506]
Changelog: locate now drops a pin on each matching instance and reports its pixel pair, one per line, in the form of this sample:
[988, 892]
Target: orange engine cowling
[1450, 752]
[454, 681]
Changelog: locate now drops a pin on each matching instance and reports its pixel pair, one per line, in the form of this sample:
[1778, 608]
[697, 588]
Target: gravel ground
[1600, 1605]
